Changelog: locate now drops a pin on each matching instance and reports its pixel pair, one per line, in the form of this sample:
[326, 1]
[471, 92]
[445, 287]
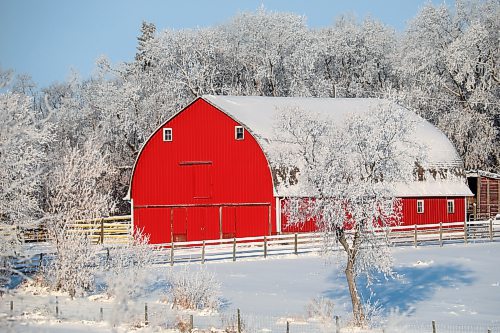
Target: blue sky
[48, 38]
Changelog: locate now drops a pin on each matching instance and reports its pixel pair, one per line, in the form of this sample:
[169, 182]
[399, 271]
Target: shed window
[167, 134]
[451, 206]
[239, 133]
[420, 206]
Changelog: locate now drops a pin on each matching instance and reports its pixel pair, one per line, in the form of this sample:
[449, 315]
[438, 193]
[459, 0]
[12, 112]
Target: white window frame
[420, 211]
[165, 130]
[452, 206]
[236, 128]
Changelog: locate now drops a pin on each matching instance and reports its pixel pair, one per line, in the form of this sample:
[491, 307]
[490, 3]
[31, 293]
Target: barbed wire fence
[160, 315]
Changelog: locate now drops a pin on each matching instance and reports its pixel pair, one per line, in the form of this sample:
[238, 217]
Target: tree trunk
[357, 307]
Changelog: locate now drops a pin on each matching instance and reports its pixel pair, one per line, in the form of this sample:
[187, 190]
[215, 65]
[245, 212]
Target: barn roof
[259, 114]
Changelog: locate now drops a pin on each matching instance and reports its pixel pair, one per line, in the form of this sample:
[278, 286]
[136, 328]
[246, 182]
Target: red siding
[203, 165]
[435, 210]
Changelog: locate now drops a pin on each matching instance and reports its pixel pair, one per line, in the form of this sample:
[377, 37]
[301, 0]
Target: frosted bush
[320, 308]
[195, 289]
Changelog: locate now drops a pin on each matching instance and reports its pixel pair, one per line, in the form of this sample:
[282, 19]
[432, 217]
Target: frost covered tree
[449, 71]
[76, 190]
[349, 169]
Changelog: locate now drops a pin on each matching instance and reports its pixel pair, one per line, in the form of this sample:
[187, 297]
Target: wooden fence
[116, 231]
[106, 230]
[295, 244]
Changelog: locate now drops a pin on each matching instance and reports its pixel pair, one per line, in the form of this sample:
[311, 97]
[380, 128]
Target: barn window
[420, 206]
[167, 134]
[451, 206]
[239, 133]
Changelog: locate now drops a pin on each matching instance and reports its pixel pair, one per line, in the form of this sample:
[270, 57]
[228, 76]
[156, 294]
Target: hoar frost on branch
[347, 170]
[76, 191]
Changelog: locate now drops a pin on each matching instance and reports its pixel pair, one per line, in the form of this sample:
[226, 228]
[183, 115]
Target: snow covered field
[457, 285]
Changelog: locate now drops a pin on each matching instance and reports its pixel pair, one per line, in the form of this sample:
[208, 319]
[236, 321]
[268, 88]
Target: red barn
[207, 172]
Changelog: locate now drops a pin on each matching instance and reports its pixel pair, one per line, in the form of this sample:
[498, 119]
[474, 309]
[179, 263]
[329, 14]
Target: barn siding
[435, 210]
[203, 165]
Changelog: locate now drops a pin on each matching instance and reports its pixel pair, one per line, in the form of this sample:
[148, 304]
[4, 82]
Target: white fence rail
[282, 245]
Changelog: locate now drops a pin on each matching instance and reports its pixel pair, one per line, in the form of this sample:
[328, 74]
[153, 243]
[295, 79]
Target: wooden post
[220, 222]
[265, 247]
[40, 260]
[102, 231]
[415, 237]
[296, 244]
[234, 250]
[146, 314]
[101, 315]
[491, 229]
[269, 220]
[239, 321]
[11, 307]
[57, 307]
[172, 253]
[433, 326]
[203, 253]
[287, 326]
[191, 323]
[337, 324]
[441, 234]
[465, 232]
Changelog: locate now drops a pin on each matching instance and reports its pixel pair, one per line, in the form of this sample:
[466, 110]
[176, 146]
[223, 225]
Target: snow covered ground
[457, 285]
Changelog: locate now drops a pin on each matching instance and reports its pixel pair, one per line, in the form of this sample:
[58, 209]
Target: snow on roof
[481, 173]
[435, 189]
[259, 114]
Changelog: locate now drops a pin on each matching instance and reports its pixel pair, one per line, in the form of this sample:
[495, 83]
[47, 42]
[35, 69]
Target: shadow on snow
[415, 284]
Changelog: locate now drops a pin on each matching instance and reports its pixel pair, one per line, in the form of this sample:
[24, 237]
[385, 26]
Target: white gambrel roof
[258, 114]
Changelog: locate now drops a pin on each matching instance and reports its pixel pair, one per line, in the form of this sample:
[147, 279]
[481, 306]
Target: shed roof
[259, 114]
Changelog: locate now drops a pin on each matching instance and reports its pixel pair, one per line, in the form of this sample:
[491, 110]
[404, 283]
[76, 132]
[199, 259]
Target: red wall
[231, 172]
[435, 211]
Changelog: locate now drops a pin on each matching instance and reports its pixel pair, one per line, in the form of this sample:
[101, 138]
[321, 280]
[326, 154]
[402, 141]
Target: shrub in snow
[320, 308]
[74, 266]
[195, 289]
[10, 249]
[125, 276]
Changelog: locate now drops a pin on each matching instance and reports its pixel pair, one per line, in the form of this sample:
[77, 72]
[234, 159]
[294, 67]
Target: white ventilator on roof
[259, 114]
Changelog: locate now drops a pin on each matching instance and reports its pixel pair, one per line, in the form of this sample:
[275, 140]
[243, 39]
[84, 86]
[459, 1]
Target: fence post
[337, 324]
[40, 260]
[11, 307]
[191, 323]
[203, 253]
[172, 253]
[415, 237]
[239, 321]
[102, 231]
[57, 307]
[491, 229]
[265, 247]
[234, 250]
[441, 234]
[465, 232]
[433, 326]
[101, 314]
[287, 326]
[296, 245]
[146, 314]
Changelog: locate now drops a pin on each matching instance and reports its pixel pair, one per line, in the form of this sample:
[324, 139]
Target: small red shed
[207, 172]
